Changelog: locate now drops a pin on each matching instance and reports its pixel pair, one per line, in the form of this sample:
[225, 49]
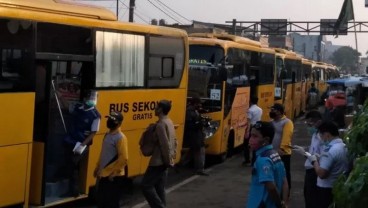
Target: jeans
[153, 186]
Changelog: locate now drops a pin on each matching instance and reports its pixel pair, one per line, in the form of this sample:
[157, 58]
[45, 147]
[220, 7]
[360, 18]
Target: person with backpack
[110, 169]
[269, 186]
[164, 153]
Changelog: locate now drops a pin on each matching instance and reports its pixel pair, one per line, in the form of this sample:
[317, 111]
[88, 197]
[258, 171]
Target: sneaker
[202, 173]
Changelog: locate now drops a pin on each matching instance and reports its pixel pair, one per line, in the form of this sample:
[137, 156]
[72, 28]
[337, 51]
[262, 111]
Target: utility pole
[131, 10]
[117, 9]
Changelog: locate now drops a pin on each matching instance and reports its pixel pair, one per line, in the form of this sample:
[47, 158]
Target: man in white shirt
[254, 115]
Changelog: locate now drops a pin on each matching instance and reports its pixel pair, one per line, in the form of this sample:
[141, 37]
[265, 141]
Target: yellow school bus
[288, 70]
[262, 71]
[306, 82]
[52, 47]
[222, 69]
[319, 71]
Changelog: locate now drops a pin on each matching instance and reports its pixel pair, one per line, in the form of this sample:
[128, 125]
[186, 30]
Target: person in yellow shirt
[284, 129]
[110, 169]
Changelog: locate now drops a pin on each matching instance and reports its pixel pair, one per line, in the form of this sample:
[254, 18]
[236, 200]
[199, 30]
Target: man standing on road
[193, 133]
[284, 129]
[313, 120]
[110, 169]
[332, 163]
[254, 115]
[269, 187]
[154, 180]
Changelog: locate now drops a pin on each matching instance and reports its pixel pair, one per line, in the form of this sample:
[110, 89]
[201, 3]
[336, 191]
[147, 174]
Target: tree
[346, 58]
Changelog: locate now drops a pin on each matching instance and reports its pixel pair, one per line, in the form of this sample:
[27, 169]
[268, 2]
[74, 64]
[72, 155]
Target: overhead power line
[163, 4]
[164, 12]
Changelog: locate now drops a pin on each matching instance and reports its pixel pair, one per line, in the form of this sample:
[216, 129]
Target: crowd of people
[271, 144]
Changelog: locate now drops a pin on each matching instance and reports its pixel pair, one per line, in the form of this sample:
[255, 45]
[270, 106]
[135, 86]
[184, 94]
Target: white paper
[79, 148]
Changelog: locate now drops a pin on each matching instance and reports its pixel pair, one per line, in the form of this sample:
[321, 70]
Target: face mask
[272, 114]
[311, 130]
[90, 103]
[325, 143]
[111, 124]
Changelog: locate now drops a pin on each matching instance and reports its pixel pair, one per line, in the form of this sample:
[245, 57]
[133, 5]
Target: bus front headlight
[210, 130]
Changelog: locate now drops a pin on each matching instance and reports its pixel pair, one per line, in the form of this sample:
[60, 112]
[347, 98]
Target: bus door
[64, 68]
[59, 87]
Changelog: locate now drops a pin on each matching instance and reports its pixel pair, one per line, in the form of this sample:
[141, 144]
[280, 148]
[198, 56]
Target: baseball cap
[278, 107]
[116, 116]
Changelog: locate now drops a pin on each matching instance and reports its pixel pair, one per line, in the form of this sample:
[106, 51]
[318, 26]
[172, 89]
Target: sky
[220, 11]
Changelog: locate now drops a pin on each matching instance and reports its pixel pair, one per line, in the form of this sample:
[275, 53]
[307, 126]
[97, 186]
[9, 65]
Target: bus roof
[226, 44]
[223, 36]
[61, 7]
[59, 12]
[307, 61]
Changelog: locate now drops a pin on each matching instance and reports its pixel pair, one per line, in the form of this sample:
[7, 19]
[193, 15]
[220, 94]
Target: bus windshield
[203, 55]
[205, 82]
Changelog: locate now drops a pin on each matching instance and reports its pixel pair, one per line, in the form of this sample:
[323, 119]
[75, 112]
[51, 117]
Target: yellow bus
[320, 76]
[48, 43]
[306, 82]
[224, 70]
[288, 70]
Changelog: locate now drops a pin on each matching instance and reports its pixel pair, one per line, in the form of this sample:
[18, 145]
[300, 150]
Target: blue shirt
[333, 159]
[268, 167]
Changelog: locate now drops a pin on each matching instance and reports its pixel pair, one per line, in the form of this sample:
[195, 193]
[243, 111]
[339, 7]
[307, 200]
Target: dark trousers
[286, 160]
[109, 192]
[199, 156]
[72, 166]
[246, 150]
[325, 197]
[310, 189]
[153, 186]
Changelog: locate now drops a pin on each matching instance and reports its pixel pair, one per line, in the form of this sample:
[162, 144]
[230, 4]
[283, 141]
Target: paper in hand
[79, 148]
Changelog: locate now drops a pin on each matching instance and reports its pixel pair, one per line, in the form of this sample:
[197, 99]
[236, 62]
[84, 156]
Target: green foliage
[357, 138]
[346, 57]
[352, 191]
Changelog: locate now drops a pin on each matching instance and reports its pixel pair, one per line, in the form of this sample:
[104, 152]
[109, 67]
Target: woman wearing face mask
[110, 169]
[269, 187]
[313, 119]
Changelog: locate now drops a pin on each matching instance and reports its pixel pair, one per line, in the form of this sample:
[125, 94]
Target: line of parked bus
[75, 47]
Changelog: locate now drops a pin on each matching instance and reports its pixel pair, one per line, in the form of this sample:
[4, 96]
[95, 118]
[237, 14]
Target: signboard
[328, 27]
[215, 94]
[274, 26]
